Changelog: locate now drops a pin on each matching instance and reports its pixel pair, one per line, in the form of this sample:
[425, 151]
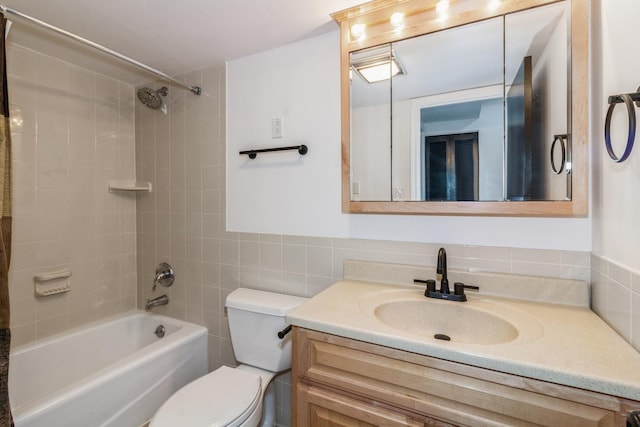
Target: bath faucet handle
[164, 276]
[459, 287]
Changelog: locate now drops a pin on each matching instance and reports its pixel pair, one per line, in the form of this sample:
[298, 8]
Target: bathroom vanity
[344, 382]
[365, 354]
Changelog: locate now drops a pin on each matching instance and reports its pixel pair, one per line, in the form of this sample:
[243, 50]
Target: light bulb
[397, 20]
[357, 31]
[442, 7]
[494, 4]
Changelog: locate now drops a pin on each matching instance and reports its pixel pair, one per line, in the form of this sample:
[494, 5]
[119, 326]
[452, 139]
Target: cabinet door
[321, 408]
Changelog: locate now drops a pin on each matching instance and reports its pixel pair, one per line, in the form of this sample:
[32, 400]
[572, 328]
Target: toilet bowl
[239, 396]
[225, 397]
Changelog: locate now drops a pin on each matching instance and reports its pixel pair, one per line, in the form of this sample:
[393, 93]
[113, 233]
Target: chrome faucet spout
[442, 270]
[161, 300]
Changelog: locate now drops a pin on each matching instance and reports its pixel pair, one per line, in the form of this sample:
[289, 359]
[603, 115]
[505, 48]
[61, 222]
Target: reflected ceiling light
[16, 123]
[377, 68]
[357, 31]
[397, 20]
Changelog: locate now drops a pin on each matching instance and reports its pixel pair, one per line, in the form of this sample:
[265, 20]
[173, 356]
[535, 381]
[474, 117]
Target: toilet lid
[225, 397]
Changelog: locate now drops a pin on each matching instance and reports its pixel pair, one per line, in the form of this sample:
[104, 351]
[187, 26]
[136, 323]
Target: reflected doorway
[451, 167]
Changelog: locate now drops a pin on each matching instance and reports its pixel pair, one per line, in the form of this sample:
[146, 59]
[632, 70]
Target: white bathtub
[112, 373]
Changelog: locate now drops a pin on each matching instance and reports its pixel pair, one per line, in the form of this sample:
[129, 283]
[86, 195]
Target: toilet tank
[255, 318]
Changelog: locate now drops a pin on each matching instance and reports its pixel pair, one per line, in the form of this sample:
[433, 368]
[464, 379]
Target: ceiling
[172, 36]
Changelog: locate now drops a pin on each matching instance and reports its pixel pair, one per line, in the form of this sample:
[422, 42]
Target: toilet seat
[225, 397]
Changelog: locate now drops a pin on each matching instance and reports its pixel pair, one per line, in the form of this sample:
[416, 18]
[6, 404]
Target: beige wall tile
[64, 168]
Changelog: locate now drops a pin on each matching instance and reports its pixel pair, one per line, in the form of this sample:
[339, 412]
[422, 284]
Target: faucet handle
[164, 276]
[459, 287]
[431, 285]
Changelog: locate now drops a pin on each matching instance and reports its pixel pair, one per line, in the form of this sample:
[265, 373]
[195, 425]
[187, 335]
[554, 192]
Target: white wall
[616, 187]
[287, 194]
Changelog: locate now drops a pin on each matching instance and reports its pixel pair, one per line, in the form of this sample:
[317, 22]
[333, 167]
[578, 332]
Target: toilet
[239, 396]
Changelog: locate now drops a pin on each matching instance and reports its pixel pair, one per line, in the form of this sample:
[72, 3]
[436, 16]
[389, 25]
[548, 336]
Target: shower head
[152, 98]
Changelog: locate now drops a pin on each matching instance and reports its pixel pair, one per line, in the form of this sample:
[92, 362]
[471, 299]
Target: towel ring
[563, 151]
[626, 98]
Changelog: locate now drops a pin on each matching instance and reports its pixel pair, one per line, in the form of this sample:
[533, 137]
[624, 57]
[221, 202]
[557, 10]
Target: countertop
[571, 345]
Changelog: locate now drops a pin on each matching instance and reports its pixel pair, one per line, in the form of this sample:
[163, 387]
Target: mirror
[537, 73]
[467, 119]
[454, 148]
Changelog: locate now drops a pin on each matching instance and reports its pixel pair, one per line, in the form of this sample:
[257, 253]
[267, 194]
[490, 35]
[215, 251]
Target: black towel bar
[628, 99]
[302, 149]
[617, 99]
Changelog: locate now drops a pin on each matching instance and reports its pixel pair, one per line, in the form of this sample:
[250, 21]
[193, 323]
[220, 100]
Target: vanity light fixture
[397, 20]
[358, 31]
[494, 4]
[378, 67]
[442, 7]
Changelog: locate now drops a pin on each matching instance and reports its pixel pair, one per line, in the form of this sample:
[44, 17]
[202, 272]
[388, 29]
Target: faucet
[161, 300]
[442, 270]
[444, 292]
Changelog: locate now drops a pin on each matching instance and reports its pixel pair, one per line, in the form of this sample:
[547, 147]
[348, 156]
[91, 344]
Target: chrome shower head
[152, 98]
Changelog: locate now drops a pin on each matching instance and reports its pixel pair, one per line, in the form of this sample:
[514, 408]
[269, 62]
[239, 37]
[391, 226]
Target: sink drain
[442, 337]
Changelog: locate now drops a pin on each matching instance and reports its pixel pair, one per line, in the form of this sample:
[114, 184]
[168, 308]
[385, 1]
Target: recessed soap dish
[52, 283]
[52, 291]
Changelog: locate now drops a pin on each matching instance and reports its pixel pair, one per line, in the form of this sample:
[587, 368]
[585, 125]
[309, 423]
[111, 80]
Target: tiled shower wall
[72, 132]
[183, 222]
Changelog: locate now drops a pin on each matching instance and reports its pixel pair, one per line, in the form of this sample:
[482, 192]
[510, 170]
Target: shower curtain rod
[195, 89]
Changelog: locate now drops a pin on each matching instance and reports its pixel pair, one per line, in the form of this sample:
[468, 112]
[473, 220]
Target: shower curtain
[5, 234]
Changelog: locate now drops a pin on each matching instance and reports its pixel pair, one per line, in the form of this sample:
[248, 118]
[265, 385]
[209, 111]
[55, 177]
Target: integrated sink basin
[478, 321]
[563, 343]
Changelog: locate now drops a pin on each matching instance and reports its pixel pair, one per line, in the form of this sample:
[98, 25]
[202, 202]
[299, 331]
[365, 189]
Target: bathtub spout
[161, 300]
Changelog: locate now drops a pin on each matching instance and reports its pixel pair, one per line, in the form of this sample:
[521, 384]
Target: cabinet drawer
[420, 384]
[318, 407]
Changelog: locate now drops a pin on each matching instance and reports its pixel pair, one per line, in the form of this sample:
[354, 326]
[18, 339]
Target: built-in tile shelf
[129, 186]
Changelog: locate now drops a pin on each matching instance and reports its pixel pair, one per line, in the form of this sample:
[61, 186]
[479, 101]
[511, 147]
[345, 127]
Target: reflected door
[451, 167]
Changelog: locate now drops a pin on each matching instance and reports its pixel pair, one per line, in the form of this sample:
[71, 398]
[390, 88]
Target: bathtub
[116, 372]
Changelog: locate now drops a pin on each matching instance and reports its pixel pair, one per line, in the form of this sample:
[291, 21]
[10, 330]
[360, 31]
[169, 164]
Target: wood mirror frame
[420, 18]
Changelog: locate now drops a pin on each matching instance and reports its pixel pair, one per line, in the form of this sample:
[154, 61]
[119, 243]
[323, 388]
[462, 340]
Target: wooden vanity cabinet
[343, 382]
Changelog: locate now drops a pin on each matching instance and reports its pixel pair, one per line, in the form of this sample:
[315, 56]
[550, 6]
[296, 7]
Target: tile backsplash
[615, 297]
